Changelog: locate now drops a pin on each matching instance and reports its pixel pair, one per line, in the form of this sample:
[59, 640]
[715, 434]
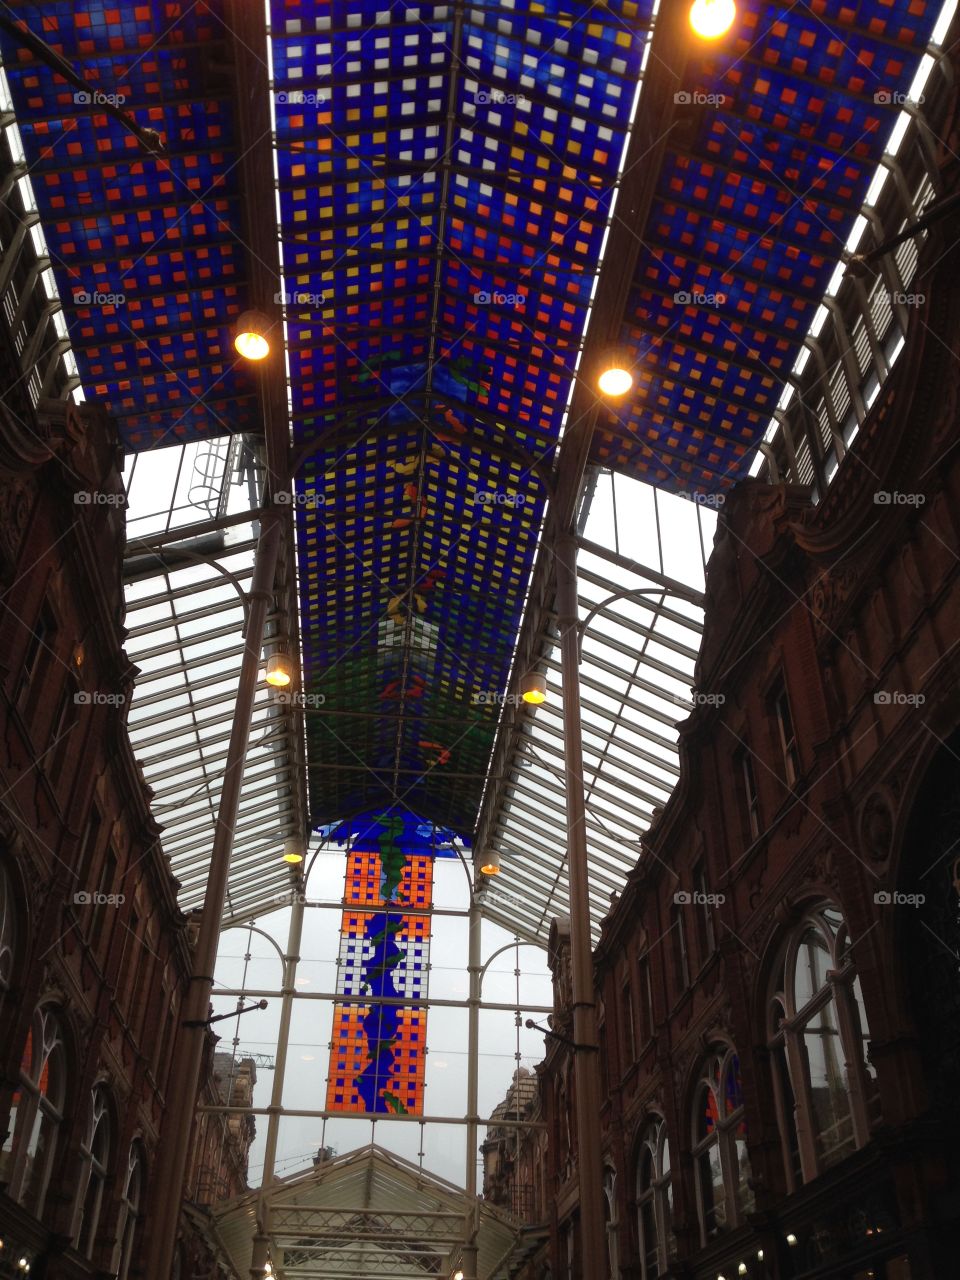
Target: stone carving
[16, 503]
[876, 828]
[830, 594]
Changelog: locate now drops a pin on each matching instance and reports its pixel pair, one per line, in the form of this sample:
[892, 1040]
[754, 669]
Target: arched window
[824, 1086]
[654, 1200]
[130, 1210]
[611, 1222]
[8, 930]
[720, 1154]
[36, 1114]
[95, 1157]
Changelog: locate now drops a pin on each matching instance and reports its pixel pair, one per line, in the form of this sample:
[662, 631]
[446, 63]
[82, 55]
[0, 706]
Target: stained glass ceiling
[444, 178]
[776, 135]
[439, 255]
[145, 248]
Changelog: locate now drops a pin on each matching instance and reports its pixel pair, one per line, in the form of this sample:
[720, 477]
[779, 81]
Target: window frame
[728, 1128]
[681, 951]
[131, 1210]
[706, 928]
[782, 711]
[631, 1046]
[611, 1221]
[39, 1114]
[749, 795]
[9, 932]
[93, 1171]
[658, 1196]
[645, 986]
[786, 1036]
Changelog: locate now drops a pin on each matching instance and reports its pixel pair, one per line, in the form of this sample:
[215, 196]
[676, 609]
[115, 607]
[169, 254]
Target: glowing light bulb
[711, 19]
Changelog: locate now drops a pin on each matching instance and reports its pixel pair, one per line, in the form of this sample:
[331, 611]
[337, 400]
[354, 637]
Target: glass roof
[185, 614]
[448, 199]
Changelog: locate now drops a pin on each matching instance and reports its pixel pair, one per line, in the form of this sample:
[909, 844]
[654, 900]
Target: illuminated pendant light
[711, 19]
[615, 376]
[292, 852]
[251, 338]
[533, 688]
[490, 866]
[279, 673]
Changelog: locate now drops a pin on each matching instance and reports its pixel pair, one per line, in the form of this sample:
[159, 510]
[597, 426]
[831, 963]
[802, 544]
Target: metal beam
[178, 1124]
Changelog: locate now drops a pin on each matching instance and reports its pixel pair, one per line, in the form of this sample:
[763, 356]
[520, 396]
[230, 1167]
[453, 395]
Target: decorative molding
[876, 827]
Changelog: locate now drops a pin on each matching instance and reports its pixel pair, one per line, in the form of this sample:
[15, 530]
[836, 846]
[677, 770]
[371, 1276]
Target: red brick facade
[94, 955]
[778, 983]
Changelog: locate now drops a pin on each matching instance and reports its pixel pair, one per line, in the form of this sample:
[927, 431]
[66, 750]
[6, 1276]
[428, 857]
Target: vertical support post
[471, 1250]
[177, 1125]
[593, 1241]
[290, 962]
[259, 1260]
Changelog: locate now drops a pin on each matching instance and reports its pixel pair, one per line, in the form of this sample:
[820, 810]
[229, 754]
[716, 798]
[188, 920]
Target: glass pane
[713, 1208]
[646, 1170]
[707, 1113]
[870, 1071]
[745, 1195]
[810, 975]
[789, 1104]
[733, 1093]
[43, 1141]
[648, 1241]
[832, 1122]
